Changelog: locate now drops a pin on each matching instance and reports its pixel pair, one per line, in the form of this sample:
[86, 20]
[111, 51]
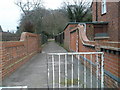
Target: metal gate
[75, 70]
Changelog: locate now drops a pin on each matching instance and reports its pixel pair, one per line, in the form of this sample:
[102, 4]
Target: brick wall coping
[94, 22]
[24, 35]
[104, 44]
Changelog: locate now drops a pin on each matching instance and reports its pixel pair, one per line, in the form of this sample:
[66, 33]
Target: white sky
[10, 13]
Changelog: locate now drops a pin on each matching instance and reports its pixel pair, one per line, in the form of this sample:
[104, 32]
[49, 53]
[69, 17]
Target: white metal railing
[63, 66]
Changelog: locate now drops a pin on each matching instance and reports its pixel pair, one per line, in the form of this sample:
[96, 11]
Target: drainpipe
[96, 10]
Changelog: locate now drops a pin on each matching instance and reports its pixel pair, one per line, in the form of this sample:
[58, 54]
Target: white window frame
[103, 7]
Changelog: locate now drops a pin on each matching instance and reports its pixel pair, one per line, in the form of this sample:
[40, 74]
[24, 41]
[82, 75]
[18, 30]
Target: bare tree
[29, 5]
[54, 22]
[37, 19]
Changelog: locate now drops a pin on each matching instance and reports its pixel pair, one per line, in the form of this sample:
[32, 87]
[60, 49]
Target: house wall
[119, 22]
[13, 54]
[67, 34]
[111, 17]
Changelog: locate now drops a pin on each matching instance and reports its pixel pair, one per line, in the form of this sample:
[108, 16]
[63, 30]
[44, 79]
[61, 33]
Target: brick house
[103, 32]
[107, 12]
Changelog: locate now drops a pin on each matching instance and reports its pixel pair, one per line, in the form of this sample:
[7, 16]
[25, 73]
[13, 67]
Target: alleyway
[34, 73]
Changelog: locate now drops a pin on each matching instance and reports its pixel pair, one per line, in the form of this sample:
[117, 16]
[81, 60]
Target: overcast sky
[10, 13]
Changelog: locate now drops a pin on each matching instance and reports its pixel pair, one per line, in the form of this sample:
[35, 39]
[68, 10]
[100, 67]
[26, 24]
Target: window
[103, 6]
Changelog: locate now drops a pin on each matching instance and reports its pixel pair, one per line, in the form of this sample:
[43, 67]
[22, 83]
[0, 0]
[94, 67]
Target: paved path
[33, 74]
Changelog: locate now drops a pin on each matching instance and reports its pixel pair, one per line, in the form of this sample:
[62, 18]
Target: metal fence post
[102, 71]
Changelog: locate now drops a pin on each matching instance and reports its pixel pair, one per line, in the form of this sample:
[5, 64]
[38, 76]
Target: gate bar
[84, 72]
[59, 71]
[72, 73]
[102, 71]
[75, 53]
[97, 63]
[53, 71]
[91, 71]
[78, 72]
[66, 70]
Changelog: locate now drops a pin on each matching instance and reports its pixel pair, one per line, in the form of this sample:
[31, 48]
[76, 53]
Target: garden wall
[13, 54]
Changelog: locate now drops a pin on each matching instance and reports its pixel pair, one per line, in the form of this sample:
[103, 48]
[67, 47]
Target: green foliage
[79, 12]
[70, 14]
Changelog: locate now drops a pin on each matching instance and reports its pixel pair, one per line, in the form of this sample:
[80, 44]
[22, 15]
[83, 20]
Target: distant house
[108, 12]
[7, 36]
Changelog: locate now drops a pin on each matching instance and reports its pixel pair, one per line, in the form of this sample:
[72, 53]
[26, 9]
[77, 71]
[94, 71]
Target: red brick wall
[111, 17]
[67, 33]
[73, 38]
[90, 31]
[111, 58]
[15, 53]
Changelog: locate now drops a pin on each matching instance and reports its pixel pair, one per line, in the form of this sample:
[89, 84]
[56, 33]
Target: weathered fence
[5, 36]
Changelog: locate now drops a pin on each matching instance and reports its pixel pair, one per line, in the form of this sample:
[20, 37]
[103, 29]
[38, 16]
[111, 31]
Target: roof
[94, 22]
[71, 23]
